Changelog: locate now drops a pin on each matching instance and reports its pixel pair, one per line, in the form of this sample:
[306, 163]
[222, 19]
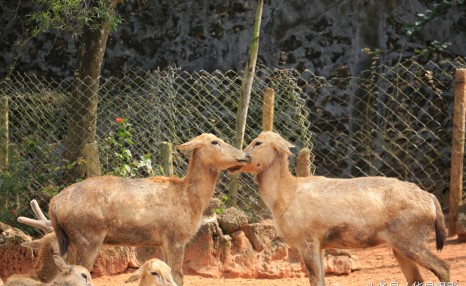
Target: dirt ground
[378, 268]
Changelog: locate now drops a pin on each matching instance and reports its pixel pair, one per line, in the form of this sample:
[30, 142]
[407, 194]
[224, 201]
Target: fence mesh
[389, 121]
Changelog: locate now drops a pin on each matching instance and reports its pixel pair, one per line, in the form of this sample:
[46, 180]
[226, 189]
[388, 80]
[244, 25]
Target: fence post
[303, 163]
[457, 149]
[166, 158]
[91, 157]
[268, 107]
[3, 133]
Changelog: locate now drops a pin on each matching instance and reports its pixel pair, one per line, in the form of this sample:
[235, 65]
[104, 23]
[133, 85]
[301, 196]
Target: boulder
[206, 252]
[14, 258]
[340, 265]
[232, 219]
[114, 259]
[260, 234]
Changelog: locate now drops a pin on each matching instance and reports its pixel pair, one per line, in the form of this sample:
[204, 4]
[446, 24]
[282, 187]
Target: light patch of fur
[154, 211]
[153, 272]
[70, 275]
[313, 213]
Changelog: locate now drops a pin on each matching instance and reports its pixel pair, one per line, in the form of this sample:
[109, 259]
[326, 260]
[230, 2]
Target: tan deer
[154, 272]
[156, 211]
[313, 213]
[44, 268]
[70, 275]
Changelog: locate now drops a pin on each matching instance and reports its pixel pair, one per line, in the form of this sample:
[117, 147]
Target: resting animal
[154, 272]
[157, 211]
[313, 213]
[70, 275]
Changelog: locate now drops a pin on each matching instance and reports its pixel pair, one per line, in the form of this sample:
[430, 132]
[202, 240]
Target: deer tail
[439, 225]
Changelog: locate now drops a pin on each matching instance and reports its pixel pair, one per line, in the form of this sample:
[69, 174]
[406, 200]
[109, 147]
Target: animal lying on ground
[156, 211]
[44, 268]
[154, 272]
[313, 213]
[71, 275]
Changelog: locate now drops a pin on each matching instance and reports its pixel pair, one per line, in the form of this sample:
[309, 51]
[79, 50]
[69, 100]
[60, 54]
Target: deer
[155, 211]
[44, 268]
[315, 212]
[70, 275]
[154, 272]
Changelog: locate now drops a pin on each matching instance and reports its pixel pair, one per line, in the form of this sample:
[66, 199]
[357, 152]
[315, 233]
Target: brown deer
[154, 272]
[70, 275]
[313, 213]
[156, 211]
[44, 268]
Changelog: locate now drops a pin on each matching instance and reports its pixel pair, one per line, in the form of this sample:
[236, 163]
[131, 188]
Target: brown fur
[313, 213]
[158, 211]
[70, 275]
[153, 272]
[45, 268]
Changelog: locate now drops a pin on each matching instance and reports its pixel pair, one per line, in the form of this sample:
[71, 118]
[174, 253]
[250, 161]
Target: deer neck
[276, 185]
[200, 182]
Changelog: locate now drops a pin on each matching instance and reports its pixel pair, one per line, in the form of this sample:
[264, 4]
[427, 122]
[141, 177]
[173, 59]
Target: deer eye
[258, 143]
[214, 142]
[153, 273]
[83, 275]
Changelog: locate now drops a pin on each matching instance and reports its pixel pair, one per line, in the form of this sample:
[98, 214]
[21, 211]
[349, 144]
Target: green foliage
[438, 9]
[35, 171]
[118, 157]
[433, 46]
[223, 200]
[73, 16]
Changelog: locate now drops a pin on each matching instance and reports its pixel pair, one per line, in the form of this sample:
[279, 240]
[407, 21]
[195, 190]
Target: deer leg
[421, 254]
[409, 269]
[311, 255]
[173, 253]
[87, 250]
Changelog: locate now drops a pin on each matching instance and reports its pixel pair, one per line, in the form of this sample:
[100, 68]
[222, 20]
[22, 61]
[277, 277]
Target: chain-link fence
[390, 121]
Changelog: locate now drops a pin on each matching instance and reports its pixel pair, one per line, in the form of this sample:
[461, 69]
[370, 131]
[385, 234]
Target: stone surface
[231, 220]
[13, 257]
[323, 37]
[114, 259]
[260, 234]
[252, 251]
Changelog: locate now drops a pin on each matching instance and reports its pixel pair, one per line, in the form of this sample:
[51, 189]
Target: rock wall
[13, 257]
[323, 36]
[250, 250]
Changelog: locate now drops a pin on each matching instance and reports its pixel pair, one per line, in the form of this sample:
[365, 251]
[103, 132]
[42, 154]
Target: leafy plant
[438, 9]
[119, 158]
[35, 170]
[72, 15]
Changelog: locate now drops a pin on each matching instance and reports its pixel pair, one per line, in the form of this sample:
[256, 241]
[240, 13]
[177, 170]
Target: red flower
[119, 119]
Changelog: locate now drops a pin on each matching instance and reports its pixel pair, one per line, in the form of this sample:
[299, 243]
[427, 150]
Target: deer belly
[134, 237]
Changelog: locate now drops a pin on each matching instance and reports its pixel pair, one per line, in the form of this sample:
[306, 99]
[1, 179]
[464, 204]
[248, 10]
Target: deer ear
[283, 146]
[136, 276]
[35, 244]
[60, 262]
[189, 146]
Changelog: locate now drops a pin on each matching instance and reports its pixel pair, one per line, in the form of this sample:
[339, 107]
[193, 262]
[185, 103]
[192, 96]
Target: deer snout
[246, 158]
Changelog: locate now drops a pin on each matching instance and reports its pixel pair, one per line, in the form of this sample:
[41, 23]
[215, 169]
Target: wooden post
[166, 158]
[4, 137]
[245, 96]
[267, 111]
[303, 163]
[13, 154]
[457, 149]
[91, 157]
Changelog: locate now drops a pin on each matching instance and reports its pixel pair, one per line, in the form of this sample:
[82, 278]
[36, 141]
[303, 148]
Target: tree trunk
[83, 102]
